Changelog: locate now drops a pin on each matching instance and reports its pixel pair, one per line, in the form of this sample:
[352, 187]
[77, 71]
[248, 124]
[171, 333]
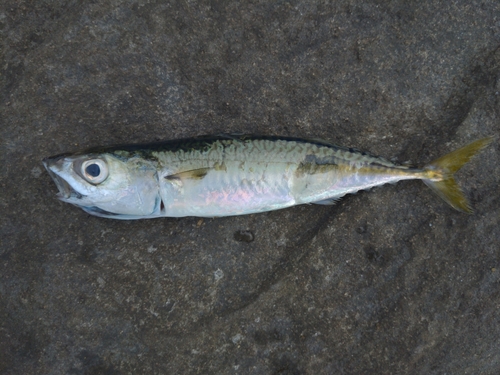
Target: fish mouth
[66, 192]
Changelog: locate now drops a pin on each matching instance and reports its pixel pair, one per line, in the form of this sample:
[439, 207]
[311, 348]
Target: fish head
[106, 185]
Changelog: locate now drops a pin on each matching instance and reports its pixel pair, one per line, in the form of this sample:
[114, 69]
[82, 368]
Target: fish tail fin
[439, 174]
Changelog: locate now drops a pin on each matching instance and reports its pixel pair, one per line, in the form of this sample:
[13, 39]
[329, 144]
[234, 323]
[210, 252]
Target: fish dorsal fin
[193, 174]
[321, 141]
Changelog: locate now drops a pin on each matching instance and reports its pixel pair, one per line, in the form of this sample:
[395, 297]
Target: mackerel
[230, 175]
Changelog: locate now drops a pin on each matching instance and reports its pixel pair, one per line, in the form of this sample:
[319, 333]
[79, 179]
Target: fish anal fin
[327, 202]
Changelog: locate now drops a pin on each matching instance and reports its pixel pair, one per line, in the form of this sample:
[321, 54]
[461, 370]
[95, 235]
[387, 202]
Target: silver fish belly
[234, 175]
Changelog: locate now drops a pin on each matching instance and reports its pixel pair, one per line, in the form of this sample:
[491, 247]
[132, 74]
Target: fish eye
[94, 171]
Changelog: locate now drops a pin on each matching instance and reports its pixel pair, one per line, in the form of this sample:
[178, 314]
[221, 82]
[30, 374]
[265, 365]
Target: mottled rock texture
[389, 281]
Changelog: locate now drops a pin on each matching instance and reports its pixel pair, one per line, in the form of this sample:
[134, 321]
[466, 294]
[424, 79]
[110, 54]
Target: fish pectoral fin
[194, 174]
[327, 202]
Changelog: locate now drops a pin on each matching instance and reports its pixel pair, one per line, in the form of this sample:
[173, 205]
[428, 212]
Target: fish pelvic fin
[438, 175]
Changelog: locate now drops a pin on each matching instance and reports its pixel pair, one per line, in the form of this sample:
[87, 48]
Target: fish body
[234, 175]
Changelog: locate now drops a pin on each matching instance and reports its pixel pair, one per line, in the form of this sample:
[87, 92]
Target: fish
[227, 175]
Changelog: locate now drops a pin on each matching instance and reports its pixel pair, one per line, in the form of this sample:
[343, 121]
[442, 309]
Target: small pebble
[36, 172]
[244, 236]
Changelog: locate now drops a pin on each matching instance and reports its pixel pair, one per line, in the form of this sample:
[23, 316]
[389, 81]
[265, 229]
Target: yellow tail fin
[440, 174]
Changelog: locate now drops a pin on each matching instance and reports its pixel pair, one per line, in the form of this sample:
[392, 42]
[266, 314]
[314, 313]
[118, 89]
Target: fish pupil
[93, 170]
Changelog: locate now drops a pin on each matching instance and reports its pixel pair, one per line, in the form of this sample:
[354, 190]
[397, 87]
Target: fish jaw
[55, 166]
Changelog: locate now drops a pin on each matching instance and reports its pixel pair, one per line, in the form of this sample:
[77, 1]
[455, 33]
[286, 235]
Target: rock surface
[390, 281]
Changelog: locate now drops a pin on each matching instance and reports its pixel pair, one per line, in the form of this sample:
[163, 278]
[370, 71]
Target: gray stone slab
[389, 281]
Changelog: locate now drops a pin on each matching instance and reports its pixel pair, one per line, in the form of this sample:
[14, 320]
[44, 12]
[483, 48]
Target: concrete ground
[391, 281]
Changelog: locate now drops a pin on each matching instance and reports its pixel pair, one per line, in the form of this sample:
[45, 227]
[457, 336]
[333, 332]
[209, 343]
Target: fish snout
[54, 165]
